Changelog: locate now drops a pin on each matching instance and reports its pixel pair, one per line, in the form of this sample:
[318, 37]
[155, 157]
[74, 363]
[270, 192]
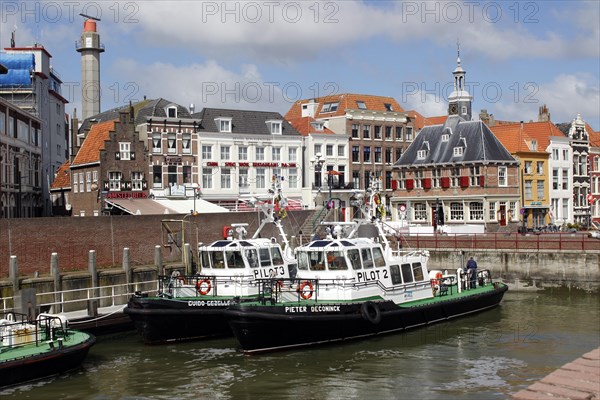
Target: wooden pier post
[93, 303]
[13, 272]
[127, 269]
[55, 272]
[158, 260]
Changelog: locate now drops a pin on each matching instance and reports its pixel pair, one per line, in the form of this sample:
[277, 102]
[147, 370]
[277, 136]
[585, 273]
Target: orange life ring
[205, 291]
[437, 280]
[306, 295]
[182, 279]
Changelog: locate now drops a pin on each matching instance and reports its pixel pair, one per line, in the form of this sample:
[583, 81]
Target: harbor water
[490, 355]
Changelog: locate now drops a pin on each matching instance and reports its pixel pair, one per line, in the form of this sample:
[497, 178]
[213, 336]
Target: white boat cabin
[358, 268]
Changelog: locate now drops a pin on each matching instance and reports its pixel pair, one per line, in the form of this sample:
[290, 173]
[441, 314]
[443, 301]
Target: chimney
[192, 108]
[543, 114]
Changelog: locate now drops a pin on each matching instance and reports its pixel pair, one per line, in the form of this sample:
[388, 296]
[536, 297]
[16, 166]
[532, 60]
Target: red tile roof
[516, 140]
[304, 126]
[63, 177]
[346, 101]
[93, 143]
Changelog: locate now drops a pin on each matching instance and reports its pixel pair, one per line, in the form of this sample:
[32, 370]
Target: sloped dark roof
[564, 127]
[142, 109]
[475, 137]
[244, 121]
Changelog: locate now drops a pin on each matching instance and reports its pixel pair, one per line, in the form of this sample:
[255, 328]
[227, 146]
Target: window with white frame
[341, 150]
[172, 143]
[186, 143]
[329, 150]
[242, 153]
[492, 211]
[555, 154]
[455, 176]
[436, 175]
[476, 211]
[502, 178]
[366, 131]
[88, 181]
[95, 177]
[261, 179]
[512, 210]
[528, 169]
[172, 112]
[457, 151]
[388, 133]
[420, 212]
[224, 124]
[419, 179]
[555, 179]
[402, 179]
[156, 142]
[399, 136]
[124, 150]
[409, 133]
[114, 180]
[540, 167]
[243, 178]
[540, 190]
[317, 149]
[421, 154]
[565, 154]
[207, 181]
[275, 127]
[355, 130]
[474, 174]
[225, 178]
[276, 173]
[82, 183]
[292, 154]
[445, 137]
[456, 211]
[206, 152]
[528, 190]
[136, 181]
[75, 183]
[157, 177]
[276, 154]
[293, 178]
[565, 209]
[260, 154]
[225, 153]
[565, 179]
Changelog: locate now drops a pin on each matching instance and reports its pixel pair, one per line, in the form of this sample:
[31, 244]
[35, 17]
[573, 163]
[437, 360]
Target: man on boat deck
[472, 271]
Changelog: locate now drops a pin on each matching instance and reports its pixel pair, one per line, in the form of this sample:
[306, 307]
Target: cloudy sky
[264, 55]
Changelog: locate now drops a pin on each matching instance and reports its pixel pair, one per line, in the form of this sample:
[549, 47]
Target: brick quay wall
[33, 240]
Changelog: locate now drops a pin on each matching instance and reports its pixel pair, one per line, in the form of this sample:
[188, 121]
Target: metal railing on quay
[86, 294]
[555, 241]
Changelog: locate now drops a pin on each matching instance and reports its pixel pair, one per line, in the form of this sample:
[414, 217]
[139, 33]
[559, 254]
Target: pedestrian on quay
[472, 272]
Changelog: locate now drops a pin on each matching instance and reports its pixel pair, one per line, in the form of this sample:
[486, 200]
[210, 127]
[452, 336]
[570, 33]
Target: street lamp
[318, 162]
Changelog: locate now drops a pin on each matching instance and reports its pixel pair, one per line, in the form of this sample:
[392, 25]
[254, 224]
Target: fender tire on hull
[371, 312]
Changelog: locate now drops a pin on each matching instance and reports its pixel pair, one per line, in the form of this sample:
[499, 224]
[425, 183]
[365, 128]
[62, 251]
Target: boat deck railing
[78, 299]
[19, 330]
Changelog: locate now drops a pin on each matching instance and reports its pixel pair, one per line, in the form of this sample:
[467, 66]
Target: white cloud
[427, 104]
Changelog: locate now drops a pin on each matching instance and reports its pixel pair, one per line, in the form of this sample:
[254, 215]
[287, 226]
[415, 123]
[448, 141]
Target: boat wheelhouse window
[218, 261]
[407, 273]
[252, 257]
[417, 271]
[346, 243]
[320, 243]
[277, 257]
[354, 257]
[378, 257]
[336, 261]
[303, 261]
[367, 258]
[221, 243]
[317, 260]
[204, 260]
[234, 259]
[265, 257]
[396, 276]
[244, 243]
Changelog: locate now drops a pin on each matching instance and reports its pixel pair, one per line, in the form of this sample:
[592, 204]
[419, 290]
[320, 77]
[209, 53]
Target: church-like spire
[459, 101]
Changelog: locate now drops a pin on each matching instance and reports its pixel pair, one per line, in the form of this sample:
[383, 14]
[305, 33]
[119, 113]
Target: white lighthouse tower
[90, 48]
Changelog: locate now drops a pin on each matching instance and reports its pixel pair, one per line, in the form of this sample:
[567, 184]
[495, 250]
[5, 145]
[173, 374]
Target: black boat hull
[267, 328]
[44, 365]
[167, 320]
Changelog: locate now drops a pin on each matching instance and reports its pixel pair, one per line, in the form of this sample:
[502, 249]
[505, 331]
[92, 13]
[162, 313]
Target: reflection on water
[486, 356]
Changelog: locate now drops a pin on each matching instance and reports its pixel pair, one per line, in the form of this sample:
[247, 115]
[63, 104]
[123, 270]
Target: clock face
[453, 109]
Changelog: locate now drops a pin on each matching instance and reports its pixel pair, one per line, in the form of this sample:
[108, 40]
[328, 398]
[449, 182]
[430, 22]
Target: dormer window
[223, 124]
[318, 126]
[534, 145]
[445, 137]
[361, 104]
[275, 126]
[172, 112]
[421, 154]
[388, 107]
[458, 151]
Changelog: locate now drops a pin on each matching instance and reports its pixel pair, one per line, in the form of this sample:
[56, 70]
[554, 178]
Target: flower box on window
[427, 183]
[445, 181]
[464, 182]
[410, 184]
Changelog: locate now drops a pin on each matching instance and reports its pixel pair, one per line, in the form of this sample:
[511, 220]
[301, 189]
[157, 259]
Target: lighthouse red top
[89, 25]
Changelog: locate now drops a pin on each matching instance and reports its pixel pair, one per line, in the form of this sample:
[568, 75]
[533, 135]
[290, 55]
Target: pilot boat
[191, 307]
[38, 348]
[350, 287]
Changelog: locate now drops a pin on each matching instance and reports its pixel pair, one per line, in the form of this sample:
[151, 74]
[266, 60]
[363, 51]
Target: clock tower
[459, 101]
